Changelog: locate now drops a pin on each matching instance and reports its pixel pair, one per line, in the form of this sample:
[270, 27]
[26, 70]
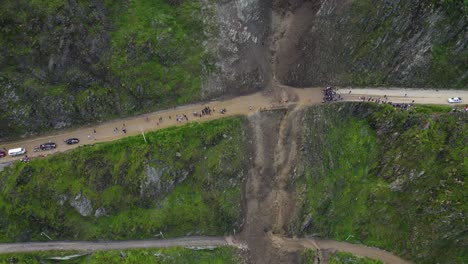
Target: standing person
[94, 131]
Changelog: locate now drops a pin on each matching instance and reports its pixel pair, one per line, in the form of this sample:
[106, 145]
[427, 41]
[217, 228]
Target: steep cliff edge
[373, 42]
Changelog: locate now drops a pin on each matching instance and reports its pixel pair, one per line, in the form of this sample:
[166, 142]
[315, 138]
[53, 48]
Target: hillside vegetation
[185, 181]
[376, 43]
[387, 178]
[72, 62]
[175, 255]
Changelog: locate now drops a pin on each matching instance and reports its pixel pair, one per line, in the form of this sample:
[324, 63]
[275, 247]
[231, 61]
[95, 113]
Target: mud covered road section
[269, 203]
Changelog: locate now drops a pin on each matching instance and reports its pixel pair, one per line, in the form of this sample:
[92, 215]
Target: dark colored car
[72, 141]
[48, 146]
[2, 154]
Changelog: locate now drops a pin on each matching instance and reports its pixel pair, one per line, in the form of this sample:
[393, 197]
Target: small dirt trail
[324, 247]
[200, 241]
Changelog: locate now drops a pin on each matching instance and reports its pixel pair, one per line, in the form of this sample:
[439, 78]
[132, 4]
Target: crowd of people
[402, 106]
[330, 95]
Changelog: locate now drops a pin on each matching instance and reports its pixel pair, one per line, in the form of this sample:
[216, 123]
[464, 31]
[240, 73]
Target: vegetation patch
[174, 255]
[307, 256]
[380, 30]
[387, 178]
[184, 181]
[348, 258]
[65, 63]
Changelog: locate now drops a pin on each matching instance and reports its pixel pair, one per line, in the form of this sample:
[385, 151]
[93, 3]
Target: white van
[16, 151]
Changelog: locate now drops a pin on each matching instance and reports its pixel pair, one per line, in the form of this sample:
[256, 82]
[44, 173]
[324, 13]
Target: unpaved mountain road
[295, 244]
[235, 106]
[288, 244]
[112, 245]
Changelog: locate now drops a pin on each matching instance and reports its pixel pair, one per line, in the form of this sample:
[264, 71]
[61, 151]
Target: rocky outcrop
[243, 61]
[82, 205]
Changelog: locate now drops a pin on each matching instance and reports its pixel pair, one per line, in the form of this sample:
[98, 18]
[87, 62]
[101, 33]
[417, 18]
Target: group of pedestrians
[402, 106]
[330, 95]
[124, 129]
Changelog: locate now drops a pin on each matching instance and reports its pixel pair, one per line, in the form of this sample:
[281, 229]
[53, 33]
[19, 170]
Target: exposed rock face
[82, 205]
[397, 43]
[100, 212]
[159, 180]
[243, 61]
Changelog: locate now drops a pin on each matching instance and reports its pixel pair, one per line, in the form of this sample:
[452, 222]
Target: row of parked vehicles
[46, 146]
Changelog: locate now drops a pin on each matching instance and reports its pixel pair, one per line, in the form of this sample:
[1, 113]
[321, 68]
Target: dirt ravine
[269, 202]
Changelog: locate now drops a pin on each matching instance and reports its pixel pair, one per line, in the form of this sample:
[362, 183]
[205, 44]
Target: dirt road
[200, 242]
[150, 122]
[334, 246]
[110, 245]
[282, 97]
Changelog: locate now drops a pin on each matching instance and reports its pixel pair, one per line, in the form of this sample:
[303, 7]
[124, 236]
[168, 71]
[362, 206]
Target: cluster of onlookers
[330, 95]
[402, 106]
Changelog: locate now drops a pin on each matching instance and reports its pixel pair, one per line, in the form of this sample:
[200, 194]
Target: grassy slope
[379, 29]
[64, 63]
[196, 193]
[387, 178]
[347, 258]
[161, 255]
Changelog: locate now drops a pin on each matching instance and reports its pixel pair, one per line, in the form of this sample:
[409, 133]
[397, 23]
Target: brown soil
[291, 27]
[269, 203]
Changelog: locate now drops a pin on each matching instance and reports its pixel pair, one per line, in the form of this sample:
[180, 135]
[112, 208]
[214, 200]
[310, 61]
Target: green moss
[387, 178]
[186, 180]
[348, 258]
[447, 66]
[157, 50]
[307, 256]
[161, 255]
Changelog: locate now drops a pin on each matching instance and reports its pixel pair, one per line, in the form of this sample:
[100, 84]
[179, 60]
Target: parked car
[455, 100]
[16, 151]
[72, 141]
[2, 154]
[48, 146]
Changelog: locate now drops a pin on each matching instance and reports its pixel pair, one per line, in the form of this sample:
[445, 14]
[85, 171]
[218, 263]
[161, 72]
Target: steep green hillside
[64, 63]
[158, 255]
[377, 43]
[185, 181]
[387, 178]
[347, 258]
